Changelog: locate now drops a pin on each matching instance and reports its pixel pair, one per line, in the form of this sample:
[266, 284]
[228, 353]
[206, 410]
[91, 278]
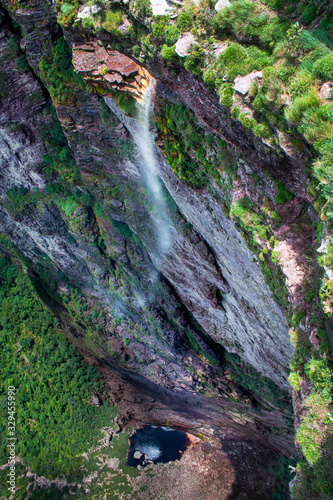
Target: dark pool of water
[159, 444]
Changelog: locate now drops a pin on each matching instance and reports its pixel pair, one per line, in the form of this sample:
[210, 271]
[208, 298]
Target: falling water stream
[150, 170]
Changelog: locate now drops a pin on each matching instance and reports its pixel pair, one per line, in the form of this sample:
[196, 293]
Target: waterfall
[150, 170]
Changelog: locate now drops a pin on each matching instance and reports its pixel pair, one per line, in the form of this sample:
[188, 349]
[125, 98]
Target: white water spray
[150, 169]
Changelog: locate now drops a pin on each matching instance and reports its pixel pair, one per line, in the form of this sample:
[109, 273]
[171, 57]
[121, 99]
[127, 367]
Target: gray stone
[160, 7]
[325, 90]
[184, 43]
[87, 11]
[221, 4]
[243, 83]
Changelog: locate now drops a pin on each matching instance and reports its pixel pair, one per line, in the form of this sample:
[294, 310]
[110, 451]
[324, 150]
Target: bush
[160, 24]
[142, 8]
[233, 19]
[209, 79]
[311, 432]
[324, 67]
[308, 14]
[114, 19]
[87, 23]
[295, 380]
[300, 105]
[185, 21]
[58, 73]
[195, 59]
[301, 83]
[168, 53]
[66, 8]
[235, 53]
[171, 34]
[226, 93]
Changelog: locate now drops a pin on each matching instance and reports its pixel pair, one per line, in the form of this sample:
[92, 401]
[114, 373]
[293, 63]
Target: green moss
[283, 194]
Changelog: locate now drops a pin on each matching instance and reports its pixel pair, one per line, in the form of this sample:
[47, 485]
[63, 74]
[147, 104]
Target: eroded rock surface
[108, 69]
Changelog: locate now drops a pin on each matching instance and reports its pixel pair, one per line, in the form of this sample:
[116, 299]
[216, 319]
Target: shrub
[114, 19]
[226, 93]
[308, 14]
[66, 8]
[233, 19]
[295, 380]
[209, 78]
[300, 105]
[310, 434]
[195, 59]
[326, 297]
[315, 125]
[274, 31]
[171, 34]
[301, 83]
[324, 67]
[160, 24]
[184, 21]
[168, 53]
[234, 53]
[142, 8]
[22, 63]
[58, 73]
[87, 23]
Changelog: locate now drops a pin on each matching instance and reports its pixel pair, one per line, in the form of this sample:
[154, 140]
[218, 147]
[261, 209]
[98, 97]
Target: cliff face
[192, 332]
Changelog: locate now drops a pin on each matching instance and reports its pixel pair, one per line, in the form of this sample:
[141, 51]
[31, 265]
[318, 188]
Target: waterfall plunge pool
[156, 444]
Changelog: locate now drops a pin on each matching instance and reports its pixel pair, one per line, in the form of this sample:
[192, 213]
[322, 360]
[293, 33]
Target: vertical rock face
[208, 282]
[217, 279]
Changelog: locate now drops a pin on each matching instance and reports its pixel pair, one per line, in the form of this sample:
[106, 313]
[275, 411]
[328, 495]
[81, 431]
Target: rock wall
[208, 288]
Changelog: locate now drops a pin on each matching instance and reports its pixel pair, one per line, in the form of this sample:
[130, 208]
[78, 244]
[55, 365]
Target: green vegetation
[283, 195]
[186, 147]
[55, 419]
[253, 381]
[193, 342]
[67, 12]
[256, 232]
[60, 166]
[58, 73]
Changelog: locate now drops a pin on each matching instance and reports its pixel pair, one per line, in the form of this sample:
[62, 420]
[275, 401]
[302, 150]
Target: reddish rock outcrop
[109, 70]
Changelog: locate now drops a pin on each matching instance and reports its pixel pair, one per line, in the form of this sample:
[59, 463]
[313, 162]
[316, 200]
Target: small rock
[160, 7]
[88, 11]
[325, 91]
[184, 43]
[219, 48]
[221, 4]
[137, 455]
[243, 83]
[116, 203]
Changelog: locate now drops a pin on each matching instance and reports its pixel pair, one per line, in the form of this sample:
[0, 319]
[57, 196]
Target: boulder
[243, 83]
[184, 43]
[87, 11]
[221, 4]
[325, 90]
[160, 7]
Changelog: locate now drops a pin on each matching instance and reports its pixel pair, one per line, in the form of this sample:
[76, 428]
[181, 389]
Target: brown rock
[122, 64]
